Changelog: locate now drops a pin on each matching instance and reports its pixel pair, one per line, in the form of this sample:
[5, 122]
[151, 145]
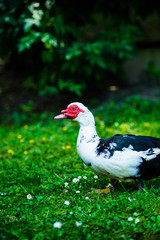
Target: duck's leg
[140, 184]
[106, 190]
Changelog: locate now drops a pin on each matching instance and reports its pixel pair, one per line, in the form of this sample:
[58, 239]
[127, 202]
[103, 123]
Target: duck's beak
[61, 116]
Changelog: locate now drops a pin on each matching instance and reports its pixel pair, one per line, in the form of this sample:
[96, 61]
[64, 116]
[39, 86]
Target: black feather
[150, 169]
[139, 143]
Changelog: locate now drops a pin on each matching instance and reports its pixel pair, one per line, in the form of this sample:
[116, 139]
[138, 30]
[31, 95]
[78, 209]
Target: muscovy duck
[123, 156]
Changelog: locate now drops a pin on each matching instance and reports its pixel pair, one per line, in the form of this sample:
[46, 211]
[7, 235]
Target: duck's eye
[74, 108]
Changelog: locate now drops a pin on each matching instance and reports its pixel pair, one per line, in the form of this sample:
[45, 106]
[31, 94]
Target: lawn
[45, 190]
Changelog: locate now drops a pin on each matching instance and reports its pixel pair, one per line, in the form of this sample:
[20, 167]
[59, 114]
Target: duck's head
[77, 112]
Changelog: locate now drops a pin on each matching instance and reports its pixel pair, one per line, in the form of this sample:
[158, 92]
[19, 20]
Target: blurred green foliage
[70, 45]
[153, 72]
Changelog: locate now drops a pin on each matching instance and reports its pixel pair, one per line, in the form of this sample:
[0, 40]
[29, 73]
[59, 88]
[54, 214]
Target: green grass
[40, 157]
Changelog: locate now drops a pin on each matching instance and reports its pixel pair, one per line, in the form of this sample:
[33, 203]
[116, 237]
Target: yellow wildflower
[123, 126]
[31, 141]
[68, 146]
[44, 139]
[146, 124]
[110, 130]
[26, 126]
[22, 140]
[64, 128]
[10, 151]
[97, 118]
[102, 126]
[63, 147]
[19, 136]
[25, 152]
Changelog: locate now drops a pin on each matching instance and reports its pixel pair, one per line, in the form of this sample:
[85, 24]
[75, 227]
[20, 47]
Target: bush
[73, 52]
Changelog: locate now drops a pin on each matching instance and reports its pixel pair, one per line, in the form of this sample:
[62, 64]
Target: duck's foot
[140, 185]
[106, 190]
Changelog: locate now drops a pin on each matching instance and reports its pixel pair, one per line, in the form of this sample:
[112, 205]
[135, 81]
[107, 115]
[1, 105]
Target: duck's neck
[87, 134]
[87, 130]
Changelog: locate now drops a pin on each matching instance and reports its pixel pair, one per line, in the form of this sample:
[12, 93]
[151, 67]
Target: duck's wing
[122, 142]
[148, 148]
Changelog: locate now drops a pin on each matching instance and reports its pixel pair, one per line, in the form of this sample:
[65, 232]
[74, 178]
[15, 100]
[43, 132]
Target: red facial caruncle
[71, 112]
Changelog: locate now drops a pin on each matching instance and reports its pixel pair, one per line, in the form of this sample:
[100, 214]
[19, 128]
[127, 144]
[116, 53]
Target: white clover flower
[66, 184]
[79, 177]
[78, 224]
[77, 191]
[135, 214]
[57, 225]
[71, 213]
[96, 177]
[86, 198]
[130, 219]
[84, 177]
[75, 180]
[137, 220]
[29, 196]
[3, 194]
[109, 185]
[67, 203]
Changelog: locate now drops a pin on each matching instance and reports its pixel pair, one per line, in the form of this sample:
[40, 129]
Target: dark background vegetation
[53, 52]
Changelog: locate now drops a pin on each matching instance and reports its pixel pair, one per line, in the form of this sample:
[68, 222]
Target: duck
[126, 157]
